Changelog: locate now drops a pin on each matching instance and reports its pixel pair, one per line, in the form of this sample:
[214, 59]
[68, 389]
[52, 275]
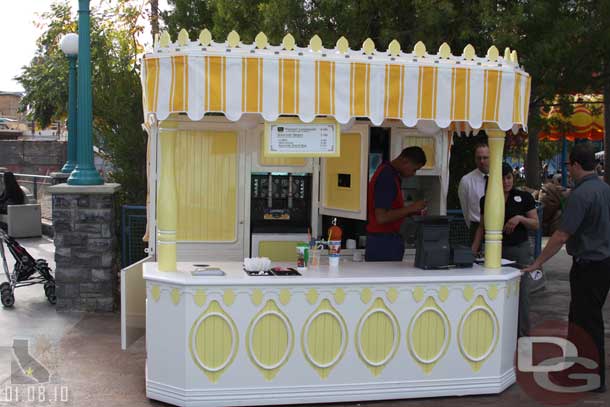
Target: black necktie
[486, 176]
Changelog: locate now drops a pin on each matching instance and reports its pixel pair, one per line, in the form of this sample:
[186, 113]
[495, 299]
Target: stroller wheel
[49, 291]
[5, 286]
[7, 297]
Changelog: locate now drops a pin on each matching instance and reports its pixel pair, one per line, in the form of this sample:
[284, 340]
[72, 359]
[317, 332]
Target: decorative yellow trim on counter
[377, 337]
[312, 296]
[213, 341]
[324, 338]
[257, 296]
[418, 294]
[478, 333]
[229, 297]
[270, 340]
[492, 292]
[175, 296]
[285, 296]
[339, 296]
[155, 292]
[468, 292]
[428, 335]
[199, 298]
[443, 293]
[392, 295]
[366, 295]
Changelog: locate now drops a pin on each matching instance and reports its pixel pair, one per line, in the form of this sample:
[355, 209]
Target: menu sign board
[294, 138]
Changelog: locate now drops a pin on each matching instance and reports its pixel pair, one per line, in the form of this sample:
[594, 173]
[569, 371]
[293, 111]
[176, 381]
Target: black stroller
[27, 271]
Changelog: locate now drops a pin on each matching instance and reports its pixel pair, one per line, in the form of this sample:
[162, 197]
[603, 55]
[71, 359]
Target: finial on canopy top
[261, 40]
[469, 52]
[165, 40]
[444, 51]
[394, 48]
[368, 46]
[288, 42]
[493, 53]
[183, 38]
[205, 37]
[419, 49]
[507, 54]
[315, 43]
[342, 45]
[514, 58]
[233, 39]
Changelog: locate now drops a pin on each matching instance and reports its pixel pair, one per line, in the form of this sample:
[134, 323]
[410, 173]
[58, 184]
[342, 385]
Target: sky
[18, 36]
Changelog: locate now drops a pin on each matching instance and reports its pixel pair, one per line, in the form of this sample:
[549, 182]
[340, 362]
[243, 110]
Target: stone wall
[32, 157]
[85, 251]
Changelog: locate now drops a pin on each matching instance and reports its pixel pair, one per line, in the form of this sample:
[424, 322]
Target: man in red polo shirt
[386, 209]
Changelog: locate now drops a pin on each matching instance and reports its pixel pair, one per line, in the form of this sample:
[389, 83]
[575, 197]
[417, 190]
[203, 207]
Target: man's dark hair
[414, 155]
[583, 154]
[480, 145]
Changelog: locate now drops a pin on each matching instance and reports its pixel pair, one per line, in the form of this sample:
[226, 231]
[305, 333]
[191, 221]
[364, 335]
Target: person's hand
[416, 207]
[512, 224]
[532, 267]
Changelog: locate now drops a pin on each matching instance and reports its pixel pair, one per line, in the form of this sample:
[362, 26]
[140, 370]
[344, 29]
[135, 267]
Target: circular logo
[517, 198]
[557, 364]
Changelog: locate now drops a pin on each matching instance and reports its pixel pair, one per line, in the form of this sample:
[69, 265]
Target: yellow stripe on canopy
[394, 98]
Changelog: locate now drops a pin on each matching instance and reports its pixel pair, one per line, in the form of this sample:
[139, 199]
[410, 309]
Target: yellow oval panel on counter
[428, 335]
[324, 338]
[270, 340]
[213, 341]
[377, 337]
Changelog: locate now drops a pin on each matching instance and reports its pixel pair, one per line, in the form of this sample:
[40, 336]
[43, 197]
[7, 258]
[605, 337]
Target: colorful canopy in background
[586, 122]
[197, 77]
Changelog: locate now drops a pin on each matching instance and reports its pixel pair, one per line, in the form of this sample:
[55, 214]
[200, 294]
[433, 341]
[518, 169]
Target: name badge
[517, 198]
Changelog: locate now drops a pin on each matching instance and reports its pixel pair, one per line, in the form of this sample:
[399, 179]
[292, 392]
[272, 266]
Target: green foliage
[117, 95]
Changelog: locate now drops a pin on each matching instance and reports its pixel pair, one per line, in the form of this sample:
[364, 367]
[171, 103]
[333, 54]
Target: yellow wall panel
[343, 198]
[206, 185]
[278, 251]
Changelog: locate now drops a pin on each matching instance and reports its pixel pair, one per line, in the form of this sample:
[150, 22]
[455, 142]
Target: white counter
[348, 272]
[363, 331]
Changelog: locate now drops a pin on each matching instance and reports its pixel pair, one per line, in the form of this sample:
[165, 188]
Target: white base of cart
[364, 331]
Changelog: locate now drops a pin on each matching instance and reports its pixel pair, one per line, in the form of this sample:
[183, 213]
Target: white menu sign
[303, 139]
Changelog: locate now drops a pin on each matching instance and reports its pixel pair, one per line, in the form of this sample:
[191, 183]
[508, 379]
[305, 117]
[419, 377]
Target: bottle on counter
[302, 256]
[334, 244]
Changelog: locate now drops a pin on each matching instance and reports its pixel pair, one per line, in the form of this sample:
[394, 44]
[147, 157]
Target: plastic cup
[314, 257]
[334, 247]
[333, 260]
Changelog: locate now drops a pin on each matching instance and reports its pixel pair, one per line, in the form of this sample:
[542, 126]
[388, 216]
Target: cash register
[432, 245]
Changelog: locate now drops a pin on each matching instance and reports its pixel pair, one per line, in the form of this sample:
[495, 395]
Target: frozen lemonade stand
[225, 121]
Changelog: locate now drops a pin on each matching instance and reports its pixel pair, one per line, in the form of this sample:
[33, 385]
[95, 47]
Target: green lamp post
[69, 45]
[85, 172]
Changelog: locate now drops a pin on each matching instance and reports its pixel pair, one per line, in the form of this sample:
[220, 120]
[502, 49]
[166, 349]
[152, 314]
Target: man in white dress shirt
[472, 188]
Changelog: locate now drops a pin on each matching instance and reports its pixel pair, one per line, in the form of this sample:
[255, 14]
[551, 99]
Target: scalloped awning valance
[233, 78]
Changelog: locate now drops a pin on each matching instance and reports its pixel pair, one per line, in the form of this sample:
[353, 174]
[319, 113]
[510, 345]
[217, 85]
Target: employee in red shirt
[385, 207]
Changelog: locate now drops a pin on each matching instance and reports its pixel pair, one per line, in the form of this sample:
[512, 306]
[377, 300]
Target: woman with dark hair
[520, 215]
[12, 195]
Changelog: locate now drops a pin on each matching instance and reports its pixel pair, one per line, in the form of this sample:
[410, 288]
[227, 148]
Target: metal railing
[37, 186]
[459, 231]
[133, 228]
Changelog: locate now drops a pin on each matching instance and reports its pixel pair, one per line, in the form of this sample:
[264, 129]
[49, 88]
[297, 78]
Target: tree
[117, 97]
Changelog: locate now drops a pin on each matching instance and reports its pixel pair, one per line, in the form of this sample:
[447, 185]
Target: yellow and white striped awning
[197, 77]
